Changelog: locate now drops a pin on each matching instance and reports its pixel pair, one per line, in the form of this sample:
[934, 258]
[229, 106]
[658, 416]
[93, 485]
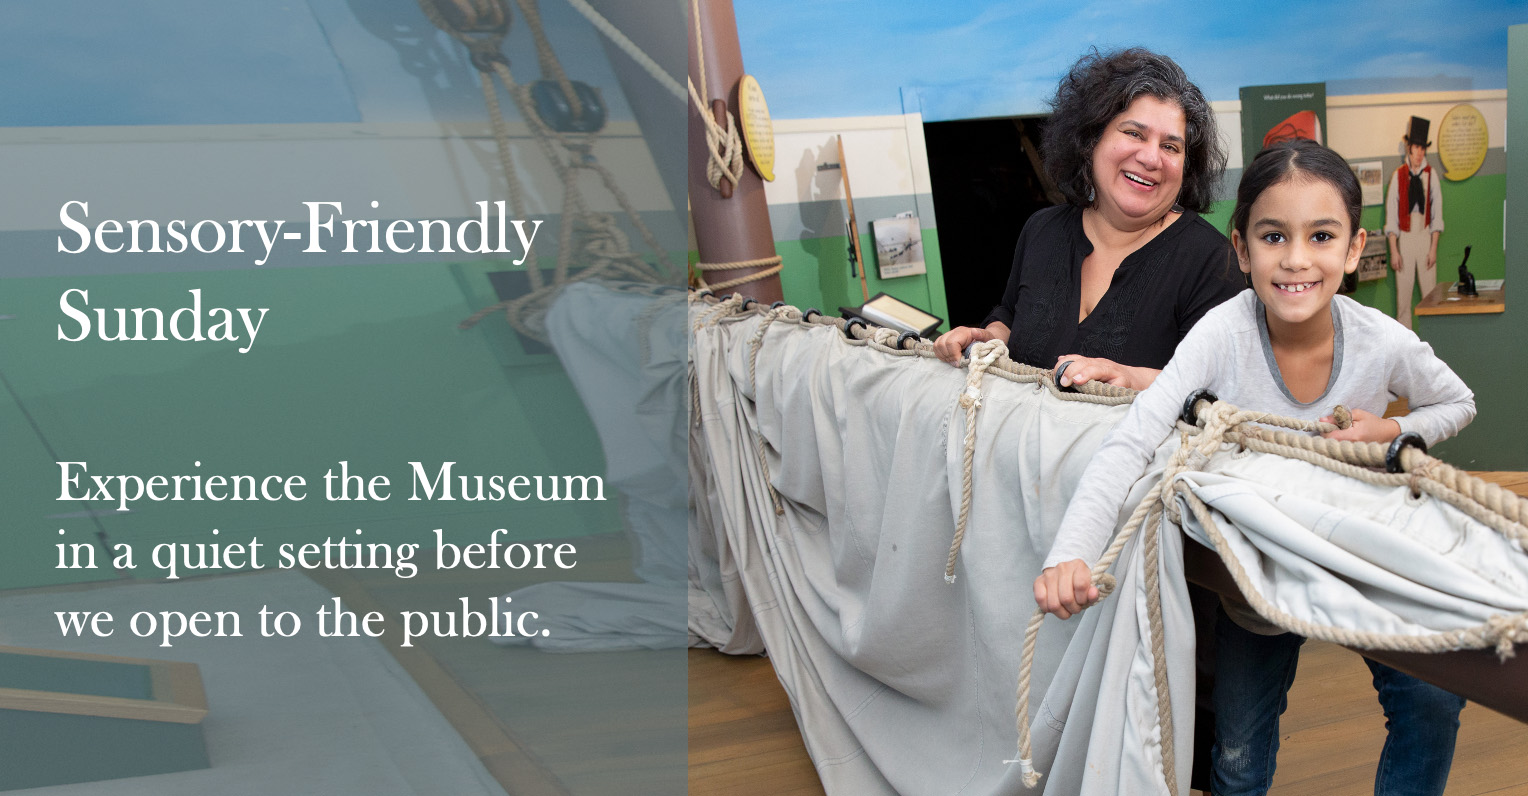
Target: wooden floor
[542, 724]
[744, 740]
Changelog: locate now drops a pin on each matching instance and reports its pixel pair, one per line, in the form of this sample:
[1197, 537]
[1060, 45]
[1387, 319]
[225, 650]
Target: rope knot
[971, 398]
[1030, 776]
[1105, 584]
[1506, 631]
[726, 151]
[1419, 472]
[988, 351]
[725, 146]
[884, 336]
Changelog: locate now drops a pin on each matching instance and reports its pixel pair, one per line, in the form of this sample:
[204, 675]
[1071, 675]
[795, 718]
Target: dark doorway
[986, 184]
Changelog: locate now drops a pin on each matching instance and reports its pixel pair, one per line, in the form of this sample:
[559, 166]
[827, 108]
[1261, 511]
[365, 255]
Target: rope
[1004, 368]
[1501, 631]
[546, 58]
[1222, 423]
[1489, 503]
[983, 354]
[724, 145]
[776, 267]
[753, 364]
[1217, 420]
[1486, 502]
[629, 47]
[501, 147]
[589, 237]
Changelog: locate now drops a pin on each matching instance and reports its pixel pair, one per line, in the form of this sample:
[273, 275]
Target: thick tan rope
[601, 244]
[546, 58]
[1225, 423]
[1500, 632]
[724, 145]
[1004, 368]
[629, 47]
[501, 146]
[1489, 503]
[1493, 506]
[1165, 740]
[983, 354]
[728, 306]
[774, 262]
[1218, 419]
[753, 364]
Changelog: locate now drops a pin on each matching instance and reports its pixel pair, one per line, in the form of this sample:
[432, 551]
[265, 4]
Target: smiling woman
[1115, 278]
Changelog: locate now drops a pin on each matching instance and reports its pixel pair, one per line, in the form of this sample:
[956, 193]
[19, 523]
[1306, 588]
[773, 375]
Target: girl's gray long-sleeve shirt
[1374, 360]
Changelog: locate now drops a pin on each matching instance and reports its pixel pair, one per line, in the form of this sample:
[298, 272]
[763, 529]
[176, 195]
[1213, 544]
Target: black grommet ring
[849, 327]
[1410, 439]
[777, 304]
[705, 291]
[1190, 416]
[904, 337]
[748, 302]
[807, 316]
[1060, 369]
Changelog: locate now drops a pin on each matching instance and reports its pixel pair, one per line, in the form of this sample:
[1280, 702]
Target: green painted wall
[1487, 351]
[817, 275]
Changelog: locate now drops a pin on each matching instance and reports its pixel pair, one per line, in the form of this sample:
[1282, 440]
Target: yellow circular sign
[758, 130]
[1462, 141]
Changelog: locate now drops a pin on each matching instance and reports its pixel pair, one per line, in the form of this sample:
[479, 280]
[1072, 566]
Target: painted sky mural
[969, 59]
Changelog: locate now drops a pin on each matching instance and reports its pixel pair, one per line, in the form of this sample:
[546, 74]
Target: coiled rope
[724, 148]
[724, 144]
[774, 263]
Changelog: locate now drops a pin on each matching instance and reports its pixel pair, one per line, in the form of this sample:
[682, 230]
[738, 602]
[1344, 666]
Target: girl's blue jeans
[1252, 678]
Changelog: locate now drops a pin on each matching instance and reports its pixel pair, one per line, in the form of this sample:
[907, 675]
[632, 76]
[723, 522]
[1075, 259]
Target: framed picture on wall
[1371, 178]
[1373, 264]
[1270, 114]
[898, 245]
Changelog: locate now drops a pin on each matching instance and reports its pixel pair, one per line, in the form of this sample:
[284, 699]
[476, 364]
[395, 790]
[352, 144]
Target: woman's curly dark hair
[1099, 87]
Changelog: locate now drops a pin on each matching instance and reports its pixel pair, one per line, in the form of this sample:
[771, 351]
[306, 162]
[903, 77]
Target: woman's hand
[1365, 428]
[1086, 369]
[950, 344]
[1066, 589]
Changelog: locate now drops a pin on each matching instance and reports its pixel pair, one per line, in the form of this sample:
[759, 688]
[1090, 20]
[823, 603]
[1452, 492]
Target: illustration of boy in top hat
[1414, 220]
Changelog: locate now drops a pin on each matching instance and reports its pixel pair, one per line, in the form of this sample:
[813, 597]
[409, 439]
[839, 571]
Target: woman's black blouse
[1157, 294]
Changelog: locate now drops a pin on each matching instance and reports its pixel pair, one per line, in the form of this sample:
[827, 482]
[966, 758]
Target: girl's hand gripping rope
[1066, 589]
[1365, 428]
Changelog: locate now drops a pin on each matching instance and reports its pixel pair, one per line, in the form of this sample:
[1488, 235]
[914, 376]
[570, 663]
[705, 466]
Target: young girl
[1289, 346]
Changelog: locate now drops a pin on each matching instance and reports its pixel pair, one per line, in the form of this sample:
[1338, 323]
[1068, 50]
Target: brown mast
[731, 221]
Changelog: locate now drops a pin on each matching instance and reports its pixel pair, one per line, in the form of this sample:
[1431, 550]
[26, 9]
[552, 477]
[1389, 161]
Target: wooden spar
[1476, 675]
[859, 256]
[733, 228]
